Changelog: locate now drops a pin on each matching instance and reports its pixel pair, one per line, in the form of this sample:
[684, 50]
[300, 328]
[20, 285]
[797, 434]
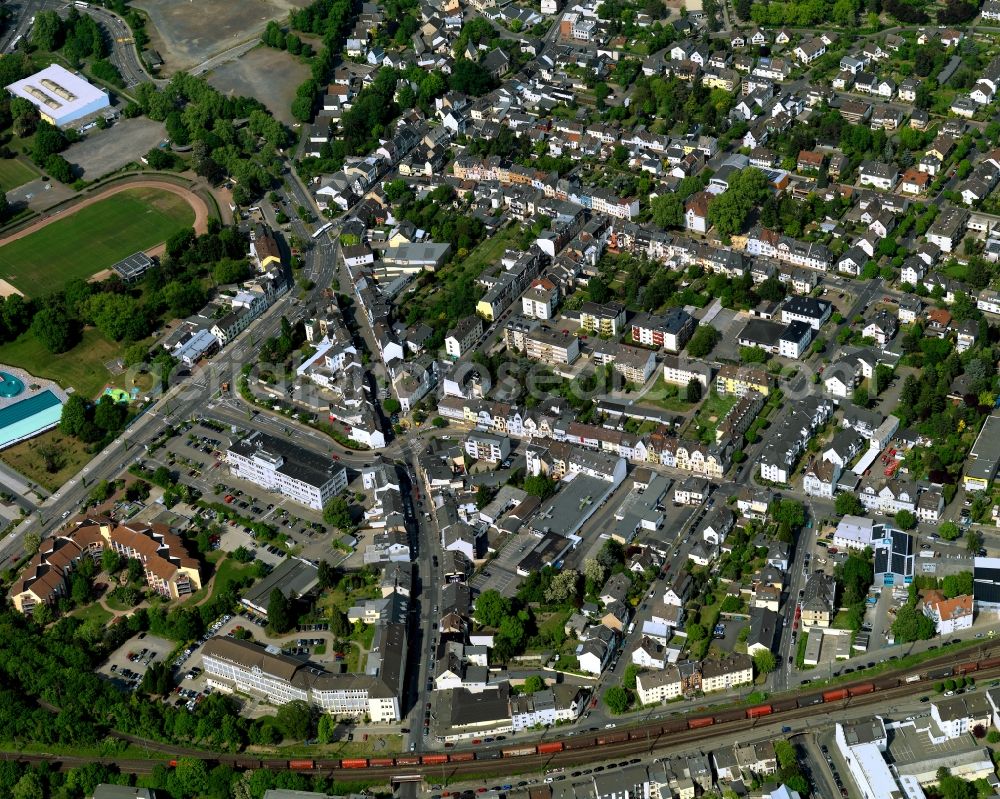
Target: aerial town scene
[500, 399]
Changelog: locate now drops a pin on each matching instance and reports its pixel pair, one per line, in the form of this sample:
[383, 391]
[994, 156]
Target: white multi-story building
[232, 664]
[958, 715]
[280, 466]
[659, 686]
[546, 707]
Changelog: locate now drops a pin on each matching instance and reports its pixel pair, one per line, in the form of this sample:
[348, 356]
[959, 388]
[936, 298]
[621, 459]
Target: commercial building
[278, 465]
[985, 456]
[986, 582]
[246, 667]
[60, 96]
[894, 557]
[861, 745]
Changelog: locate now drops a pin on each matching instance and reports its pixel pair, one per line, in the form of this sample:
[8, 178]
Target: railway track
[642, 740]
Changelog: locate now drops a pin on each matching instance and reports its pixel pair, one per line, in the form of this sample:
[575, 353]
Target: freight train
[648, 732]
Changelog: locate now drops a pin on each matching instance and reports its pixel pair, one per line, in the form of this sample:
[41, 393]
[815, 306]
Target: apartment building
[168, 568]
[606, 319]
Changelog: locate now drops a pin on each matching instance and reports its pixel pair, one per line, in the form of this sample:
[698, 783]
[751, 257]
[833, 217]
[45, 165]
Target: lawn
[82, 368]
[712, 411]
[92, 239]
[65, 454]
[93, 612]
[225, 573]
[667, 396]
[14, 172]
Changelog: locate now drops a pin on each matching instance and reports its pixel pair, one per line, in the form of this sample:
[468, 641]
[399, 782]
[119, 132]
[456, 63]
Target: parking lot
[500, 573]
[129, 662]
[197, 454]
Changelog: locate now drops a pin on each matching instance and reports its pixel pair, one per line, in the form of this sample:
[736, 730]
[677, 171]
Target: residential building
[949, 615]
[168, 569]
[818, 602]
[461, 338]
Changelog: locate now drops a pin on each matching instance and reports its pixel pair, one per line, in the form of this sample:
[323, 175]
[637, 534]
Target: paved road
[23, 13]
[226, 56]
[123, 51]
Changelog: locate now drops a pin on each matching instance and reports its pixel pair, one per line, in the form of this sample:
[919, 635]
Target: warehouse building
[60, 96]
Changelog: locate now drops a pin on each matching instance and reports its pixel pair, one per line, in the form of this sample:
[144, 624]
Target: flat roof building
[984, 457]
[60, 96]
[278, 465]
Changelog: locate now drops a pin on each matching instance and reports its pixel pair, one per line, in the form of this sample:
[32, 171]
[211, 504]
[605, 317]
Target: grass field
[82, 367]
[28, 459]
[14, 173]
[93, 239]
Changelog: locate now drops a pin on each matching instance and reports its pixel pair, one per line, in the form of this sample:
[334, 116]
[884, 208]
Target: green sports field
[92, 239]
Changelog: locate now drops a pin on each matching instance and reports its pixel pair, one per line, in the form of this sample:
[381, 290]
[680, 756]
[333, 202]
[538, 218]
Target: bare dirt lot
[186, 35]
[104, 151]
[271, 76]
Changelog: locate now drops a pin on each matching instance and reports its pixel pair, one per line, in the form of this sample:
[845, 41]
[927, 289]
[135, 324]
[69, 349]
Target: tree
[29, 786]
[616, 699]
[764, 661]
[789, 513]
[729, 210]
[279, 612]
[32, 541]
[847, 504]
[533, 684]
[594, 572]
[491, 608]
[391, 405]
[949, 531]
[911, 625]
[470, 78]
[703, 341]
[51, 327]
[59, 168]
[111, 561]
[563, 587]
[693, 391]
[629, 677]
[47, 31]
[906, 520]
[973, 541]
[74, 415]
[295, 719]
[668, 210]
[337, 513]
[540, 486]
[860, 397]
[954, 585]
[327, 575]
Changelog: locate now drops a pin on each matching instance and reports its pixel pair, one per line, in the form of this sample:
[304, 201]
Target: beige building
[169, 569]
